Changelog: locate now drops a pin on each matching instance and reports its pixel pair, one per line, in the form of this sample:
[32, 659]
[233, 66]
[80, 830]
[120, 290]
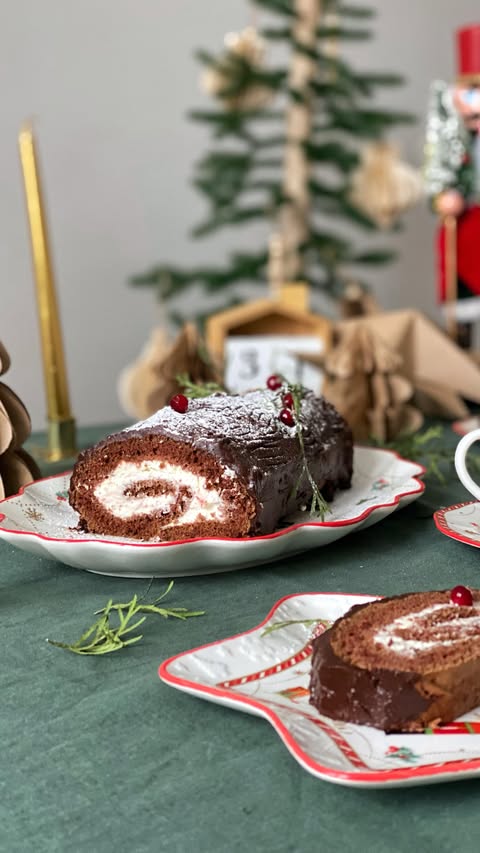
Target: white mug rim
[461, 454]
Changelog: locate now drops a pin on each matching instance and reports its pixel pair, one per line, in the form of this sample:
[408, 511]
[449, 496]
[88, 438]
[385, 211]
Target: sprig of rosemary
[197, 389]
[319, 505]
[276, 626]
[102, 637]
[429, 448]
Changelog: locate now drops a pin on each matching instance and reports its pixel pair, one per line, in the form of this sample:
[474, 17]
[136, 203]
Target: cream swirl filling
[174, 483]
[438, 632]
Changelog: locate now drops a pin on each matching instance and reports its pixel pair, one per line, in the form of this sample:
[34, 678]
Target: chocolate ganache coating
[399, 664]
[243, 436]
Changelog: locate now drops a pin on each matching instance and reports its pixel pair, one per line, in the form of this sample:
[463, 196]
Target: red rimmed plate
[267, 674]
[461, 522]
[40, 520]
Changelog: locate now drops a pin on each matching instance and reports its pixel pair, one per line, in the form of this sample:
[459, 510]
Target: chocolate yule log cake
[401, 664]
[222, 465]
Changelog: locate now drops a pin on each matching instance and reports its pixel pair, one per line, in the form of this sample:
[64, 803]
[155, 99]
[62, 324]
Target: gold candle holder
[61, 424]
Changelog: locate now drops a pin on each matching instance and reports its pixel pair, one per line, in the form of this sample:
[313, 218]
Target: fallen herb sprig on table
[102, 637]
[429, 448]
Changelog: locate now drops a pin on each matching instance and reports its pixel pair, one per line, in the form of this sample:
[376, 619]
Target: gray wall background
[108, 83]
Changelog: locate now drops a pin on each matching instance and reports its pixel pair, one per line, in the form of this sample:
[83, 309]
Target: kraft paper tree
[287, 145]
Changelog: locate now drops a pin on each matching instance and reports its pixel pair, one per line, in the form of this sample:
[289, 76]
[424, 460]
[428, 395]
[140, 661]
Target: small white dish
[40, 520]
[268, 675]
[461, 522]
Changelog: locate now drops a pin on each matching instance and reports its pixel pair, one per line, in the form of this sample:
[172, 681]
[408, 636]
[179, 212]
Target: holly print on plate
[461, 522]
[266, 671]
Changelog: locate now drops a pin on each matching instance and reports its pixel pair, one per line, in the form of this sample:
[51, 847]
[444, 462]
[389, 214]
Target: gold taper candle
[61, 424]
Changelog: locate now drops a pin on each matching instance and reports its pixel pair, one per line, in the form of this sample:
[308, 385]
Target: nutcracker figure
[452, 175]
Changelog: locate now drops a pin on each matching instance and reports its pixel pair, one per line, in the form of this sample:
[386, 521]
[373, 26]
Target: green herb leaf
[276, 626]
[197, 389]
[431, 449]
[102, 637]
[318, 505]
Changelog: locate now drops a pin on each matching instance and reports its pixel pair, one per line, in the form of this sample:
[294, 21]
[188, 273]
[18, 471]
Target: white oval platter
[40, 520]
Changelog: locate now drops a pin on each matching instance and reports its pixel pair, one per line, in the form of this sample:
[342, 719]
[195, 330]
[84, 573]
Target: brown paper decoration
[357, 302]
[383, 186]
[363, 381]
[17, 468]
[150, 382]
[442, 374]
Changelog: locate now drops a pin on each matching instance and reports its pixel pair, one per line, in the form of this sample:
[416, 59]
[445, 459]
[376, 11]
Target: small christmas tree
[287, 144]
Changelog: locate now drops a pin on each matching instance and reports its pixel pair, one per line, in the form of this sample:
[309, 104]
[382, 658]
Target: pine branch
[329, 248]
[366, 123]
[343, 34]
[350, 80]
[276, 33]
[335, 89]
[231, 216]
[243, 266]
[356, 11]
[374, 257]
[306, 50]
[431, 450]
[270, 141]
[333, 153]
[334, 202]
[168, 281]
[279, 7]
[377, 78]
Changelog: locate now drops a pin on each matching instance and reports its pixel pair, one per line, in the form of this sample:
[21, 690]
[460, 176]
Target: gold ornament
[219, 78]
[383, 186]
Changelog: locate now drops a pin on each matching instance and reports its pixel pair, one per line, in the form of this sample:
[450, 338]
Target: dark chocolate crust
[385, 699]
[409, 698]
[242, 434]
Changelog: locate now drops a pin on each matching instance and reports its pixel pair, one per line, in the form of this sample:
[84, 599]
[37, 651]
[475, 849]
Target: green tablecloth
[98, 755]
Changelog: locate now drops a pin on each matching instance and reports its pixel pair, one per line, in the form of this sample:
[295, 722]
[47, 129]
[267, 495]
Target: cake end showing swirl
[401, 663]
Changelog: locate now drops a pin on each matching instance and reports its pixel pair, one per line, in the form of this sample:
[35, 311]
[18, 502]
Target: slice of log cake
[217, 466]
[402, 663]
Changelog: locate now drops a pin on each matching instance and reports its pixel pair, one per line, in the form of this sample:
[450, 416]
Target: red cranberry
[461, 595]
[288, 401]
[286, 417]
[274, 382]
[179, 403]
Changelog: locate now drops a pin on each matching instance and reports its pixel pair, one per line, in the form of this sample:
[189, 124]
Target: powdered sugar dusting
[218, 415]
[250, 417]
